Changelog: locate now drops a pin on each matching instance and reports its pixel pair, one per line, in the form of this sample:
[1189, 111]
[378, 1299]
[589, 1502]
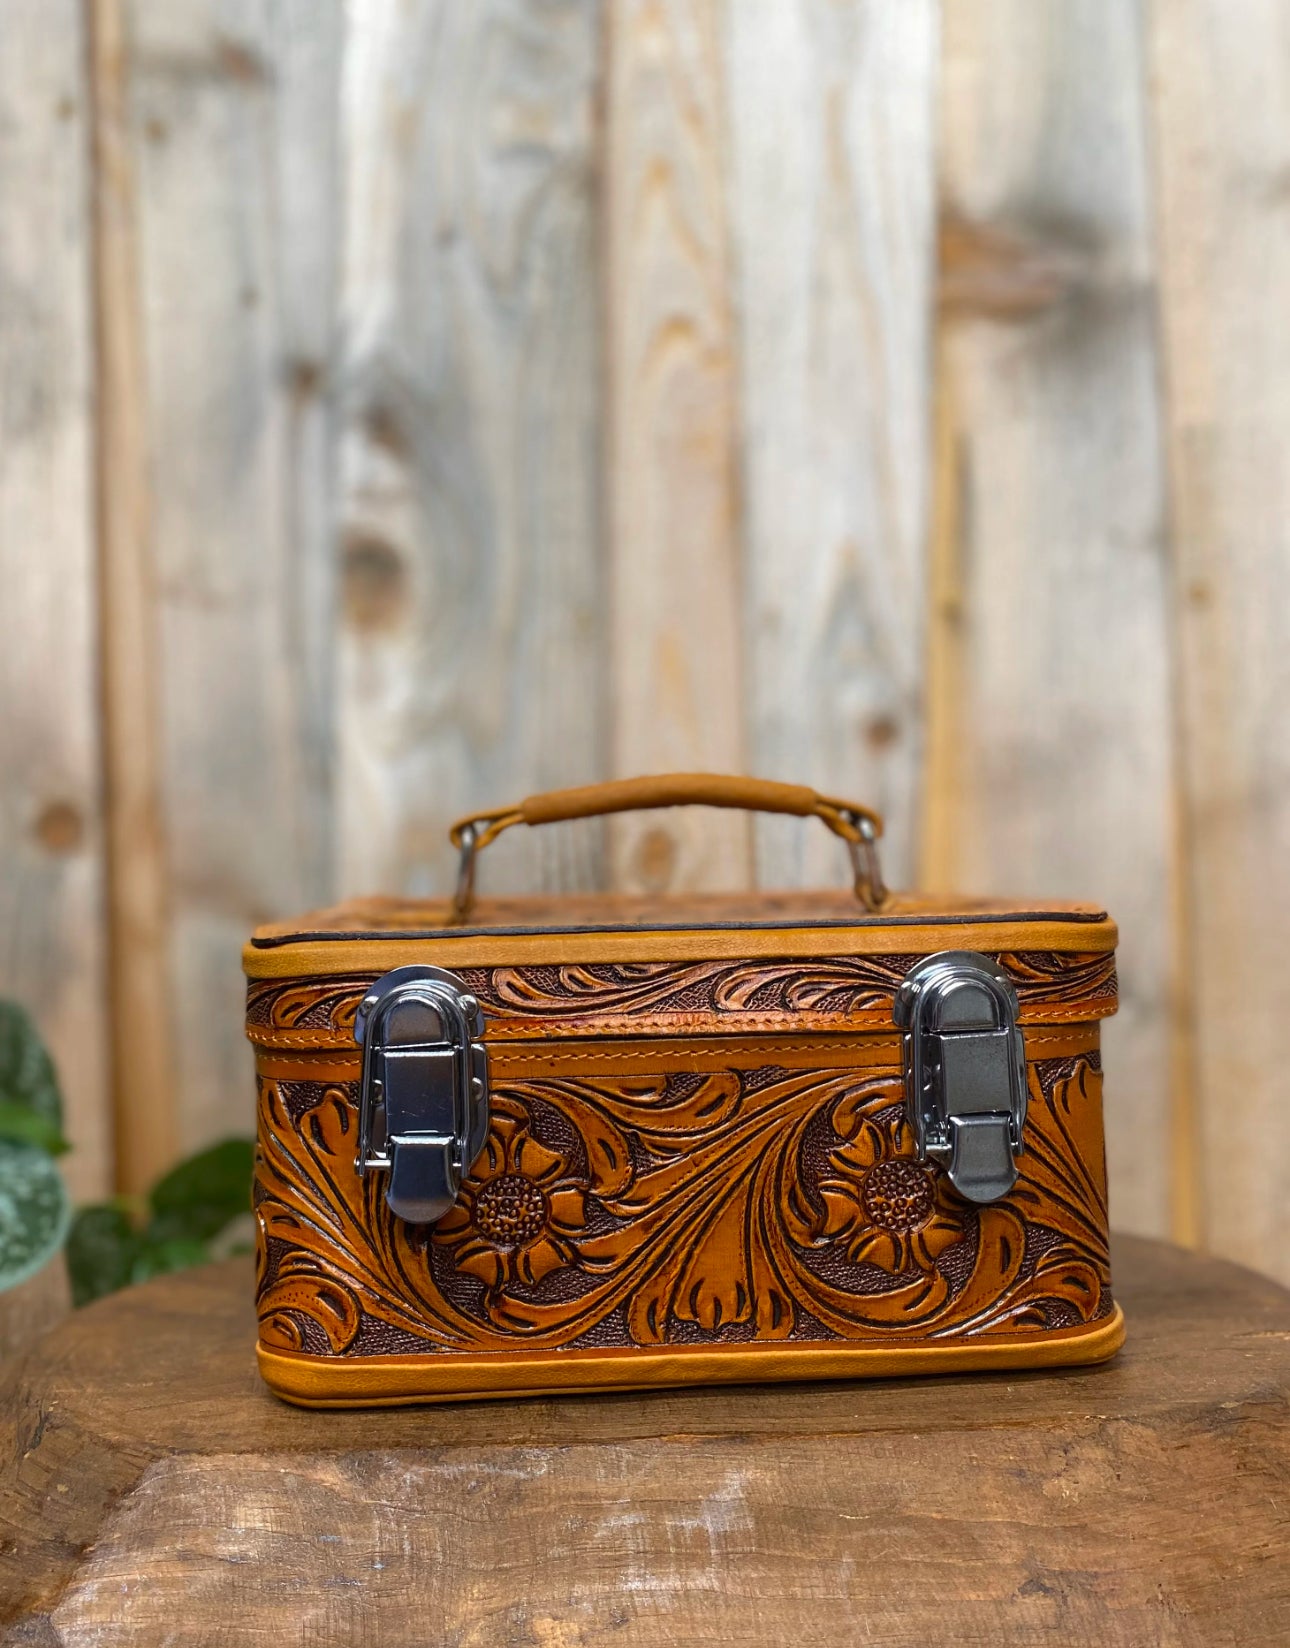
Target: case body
[699, 1163]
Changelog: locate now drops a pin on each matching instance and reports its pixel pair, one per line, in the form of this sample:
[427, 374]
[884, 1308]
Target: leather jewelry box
[601, 1142]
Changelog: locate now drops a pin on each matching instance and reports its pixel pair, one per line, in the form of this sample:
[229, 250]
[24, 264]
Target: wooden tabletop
[157, 1493]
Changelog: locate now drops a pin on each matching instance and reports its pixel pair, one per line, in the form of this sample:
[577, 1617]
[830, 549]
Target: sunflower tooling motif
[679, 1207]
[883, 1207]
[515, 1215]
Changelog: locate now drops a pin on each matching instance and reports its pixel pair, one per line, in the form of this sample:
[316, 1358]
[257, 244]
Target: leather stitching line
[617, 1056]
[325, 1038]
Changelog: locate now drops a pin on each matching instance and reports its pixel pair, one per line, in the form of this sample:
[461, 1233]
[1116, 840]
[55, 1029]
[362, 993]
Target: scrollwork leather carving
[672, 1207]
[700, 997]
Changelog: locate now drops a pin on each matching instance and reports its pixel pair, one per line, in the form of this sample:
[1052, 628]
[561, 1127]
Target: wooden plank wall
[470, 645]
[231, 113]
[493, 397]
[52, 939]
[672, 486]
[833, 201]
[1221, 129]
[1051, 762]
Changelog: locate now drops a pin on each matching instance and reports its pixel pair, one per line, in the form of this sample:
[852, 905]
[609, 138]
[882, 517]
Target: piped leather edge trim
[319, 957]
[395, 1381]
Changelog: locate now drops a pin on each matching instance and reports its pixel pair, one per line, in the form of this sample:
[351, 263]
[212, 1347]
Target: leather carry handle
[858, 826]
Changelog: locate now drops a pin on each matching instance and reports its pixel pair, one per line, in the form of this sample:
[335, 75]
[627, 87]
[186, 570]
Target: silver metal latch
[423, 1110]
[965, 1070]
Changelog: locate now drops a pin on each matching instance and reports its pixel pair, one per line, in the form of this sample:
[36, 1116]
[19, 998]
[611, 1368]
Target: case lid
[377, 933]
[776, 964]
[692, 964]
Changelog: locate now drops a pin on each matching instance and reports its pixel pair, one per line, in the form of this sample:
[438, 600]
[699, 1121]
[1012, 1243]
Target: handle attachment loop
[858, 826]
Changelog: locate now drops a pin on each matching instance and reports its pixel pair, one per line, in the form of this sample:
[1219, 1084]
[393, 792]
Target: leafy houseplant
[110, 1244]
[34, 1209]
[113, 1244]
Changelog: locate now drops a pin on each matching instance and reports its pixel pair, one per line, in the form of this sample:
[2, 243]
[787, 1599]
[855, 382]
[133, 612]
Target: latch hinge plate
[965, 1070]
[423, 1104]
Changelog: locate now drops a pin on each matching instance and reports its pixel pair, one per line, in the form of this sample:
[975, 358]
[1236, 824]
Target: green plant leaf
[199, 1197]
[160, 1258]
[107, 1251]
[27, 1076]
[102, 1247]
[29, 1127]
[109, 1248]
[34, 1211]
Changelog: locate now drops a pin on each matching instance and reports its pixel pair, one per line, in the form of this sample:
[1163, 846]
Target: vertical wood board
[234, 128]
[832, 202]
[679, 695]
[1051, 769]
[144, 1111]
[51, 839]
[1222, 145]
[471, 657]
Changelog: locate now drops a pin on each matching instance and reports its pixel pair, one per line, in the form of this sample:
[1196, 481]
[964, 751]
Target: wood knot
[374, 584]
[60, 827]
[882, 732]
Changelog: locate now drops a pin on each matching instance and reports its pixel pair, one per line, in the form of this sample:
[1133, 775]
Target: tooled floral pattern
[848, 988]
[885, 1209]
[778, 1204]
[519, 1214]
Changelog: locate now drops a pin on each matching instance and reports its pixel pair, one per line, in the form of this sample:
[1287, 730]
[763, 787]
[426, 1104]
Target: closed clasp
[965, 1070]
[423, 1106]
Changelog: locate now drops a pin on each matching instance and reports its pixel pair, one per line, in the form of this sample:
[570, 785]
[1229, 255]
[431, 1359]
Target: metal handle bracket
[859, 827]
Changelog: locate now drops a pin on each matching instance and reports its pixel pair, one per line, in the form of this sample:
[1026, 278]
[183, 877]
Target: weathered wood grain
[145, 1119]
[832, 205]
[233, 137]
[577, 356]
[31, 1309]
[154, 1492]
[1050, 754]
[51, 838]
[1222, 142]
[679, 694]
[471, 667]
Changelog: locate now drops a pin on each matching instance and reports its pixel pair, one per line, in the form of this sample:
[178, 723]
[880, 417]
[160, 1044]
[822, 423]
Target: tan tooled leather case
[702, 1159]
